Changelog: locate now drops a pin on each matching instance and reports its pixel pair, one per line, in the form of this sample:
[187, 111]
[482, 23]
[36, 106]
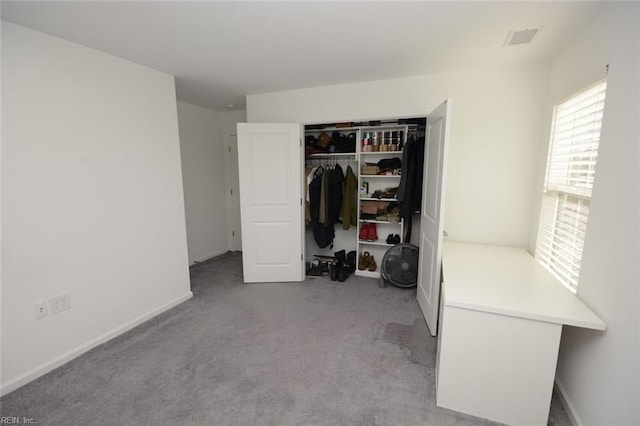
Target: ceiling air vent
[515, 38]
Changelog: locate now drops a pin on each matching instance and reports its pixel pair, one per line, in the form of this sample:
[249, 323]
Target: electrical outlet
[40, 309]
[59, 303]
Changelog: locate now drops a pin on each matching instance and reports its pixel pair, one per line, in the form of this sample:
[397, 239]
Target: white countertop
[509, 281]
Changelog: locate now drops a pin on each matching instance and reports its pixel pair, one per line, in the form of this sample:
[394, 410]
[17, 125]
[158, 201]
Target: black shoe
[351, 261]
[390, 239]
[343, 273]
[341, 257]
[334, 271]
[396, 239]
[314, 271]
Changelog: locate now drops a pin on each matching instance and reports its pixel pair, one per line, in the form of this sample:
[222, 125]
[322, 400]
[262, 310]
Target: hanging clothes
[323, 231]
[323, 214]
[332, 199]
[315, 189]
[410, 188]
[308, 174]
[322, 234]
[334, 193]
[348, 210]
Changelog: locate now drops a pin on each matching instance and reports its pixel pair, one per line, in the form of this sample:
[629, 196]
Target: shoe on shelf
[372, 232]
[372, 264]
[390, 239]
[363, 261]
[364, 231]
[396, 239]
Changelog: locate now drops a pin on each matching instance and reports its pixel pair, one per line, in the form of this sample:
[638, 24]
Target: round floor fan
[400, 266]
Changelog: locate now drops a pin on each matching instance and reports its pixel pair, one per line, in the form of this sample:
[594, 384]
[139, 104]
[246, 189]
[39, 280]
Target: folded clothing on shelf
[379, 210]
[373, 207]
[390, 164]
[367, 169]
[385, 193]
[336, 143]
[392, 216]
[343, 143]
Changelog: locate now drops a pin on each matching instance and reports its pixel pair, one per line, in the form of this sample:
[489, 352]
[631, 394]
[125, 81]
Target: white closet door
[432, 213]
[270, 169]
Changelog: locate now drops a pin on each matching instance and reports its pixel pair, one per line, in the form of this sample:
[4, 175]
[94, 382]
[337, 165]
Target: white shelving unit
[378, 248]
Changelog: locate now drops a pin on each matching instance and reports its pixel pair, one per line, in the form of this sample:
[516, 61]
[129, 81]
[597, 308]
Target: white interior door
[432, 213]
[270, 170]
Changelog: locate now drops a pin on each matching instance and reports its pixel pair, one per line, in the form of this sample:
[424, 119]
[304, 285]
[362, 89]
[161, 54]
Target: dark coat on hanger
[349, 209]
[315, 188]
[410, 189]
[334, 195]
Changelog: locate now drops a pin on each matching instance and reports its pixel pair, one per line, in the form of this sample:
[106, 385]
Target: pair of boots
[393, 239]
[368, 232]
[343, 266]
[366, 261]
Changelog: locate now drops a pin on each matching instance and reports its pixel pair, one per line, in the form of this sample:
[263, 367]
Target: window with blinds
[573, 151]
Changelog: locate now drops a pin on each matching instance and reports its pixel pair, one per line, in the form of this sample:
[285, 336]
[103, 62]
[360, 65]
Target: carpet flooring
[312, 353]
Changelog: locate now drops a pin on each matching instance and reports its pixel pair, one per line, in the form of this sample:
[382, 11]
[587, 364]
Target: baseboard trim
[207, 257]
[68, 356]
[572, 413]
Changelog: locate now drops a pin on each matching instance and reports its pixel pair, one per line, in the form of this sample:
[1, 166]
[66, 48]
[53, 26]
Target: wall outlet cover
[40, 309]
[59, 303]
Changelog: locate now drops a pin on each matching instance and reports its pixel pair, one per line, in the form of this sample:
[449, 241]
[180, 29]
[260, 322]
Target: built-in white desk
[501, 316]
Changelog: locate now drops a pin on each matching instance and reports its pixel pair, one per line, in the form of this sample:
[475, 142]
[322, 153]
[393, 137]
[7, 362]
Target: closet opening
[363, 192]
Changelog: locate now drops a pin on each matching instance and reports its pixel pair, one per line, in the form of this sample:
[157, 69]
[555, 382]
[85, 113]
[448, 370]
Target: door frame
[234, 229]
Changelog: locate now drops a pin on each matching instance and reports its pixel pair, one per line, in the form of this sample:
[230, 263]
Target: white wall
[234, 231]
[600, 371]
[207, 175]
[203, 175]
[232, 118]
[491, 183]
[92, 199]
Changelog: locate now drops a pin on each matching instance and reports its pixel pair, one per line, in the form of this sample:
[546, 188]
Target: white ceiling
[222, 51]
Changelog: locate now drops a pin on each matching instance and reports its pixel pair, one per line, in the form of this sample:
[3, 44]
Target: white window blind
[573, 151]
